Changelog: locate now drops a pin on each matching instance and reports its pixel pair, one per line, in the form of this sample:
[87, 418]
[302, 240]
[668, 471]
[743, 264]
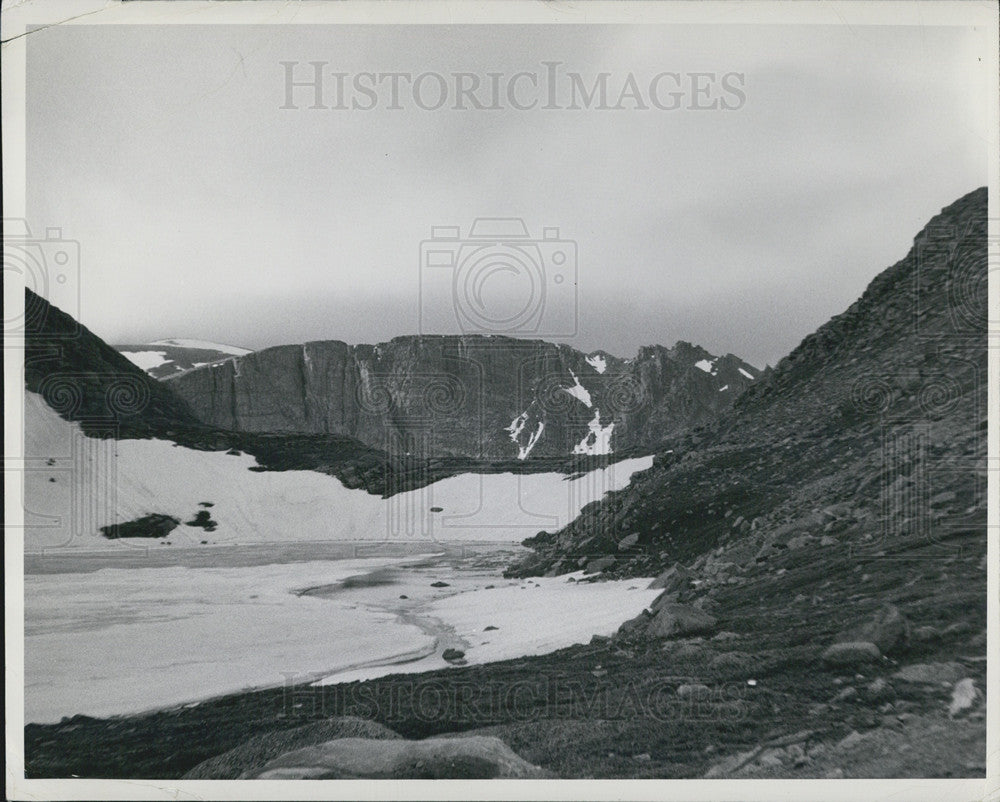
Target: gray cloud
[204, 210]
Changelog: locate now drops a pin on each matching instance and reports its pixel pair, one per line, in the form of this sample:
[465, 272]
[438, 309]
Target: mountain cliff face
[471, 396]
[870, 435]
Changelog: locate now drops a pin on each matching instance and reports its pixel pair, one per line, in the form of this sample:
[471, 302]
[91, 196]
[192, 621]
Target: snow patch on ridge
[707, 365]
[598, 438]
[205, 345]
[524, 451]
[517, 425]
[578, 391]
[147, 360]
[598, 363]
[746, 374]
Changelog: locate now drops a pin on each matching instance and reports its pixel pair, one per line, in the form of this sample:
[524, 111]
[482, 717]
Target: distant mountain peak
[170, 357]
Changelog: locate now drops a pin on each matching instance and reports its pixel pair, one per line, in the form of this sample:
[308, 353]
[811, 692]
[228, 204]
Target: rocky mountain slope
[870, 434]
[164, 358]
[85, 380]
[470, 396]
[90, 384]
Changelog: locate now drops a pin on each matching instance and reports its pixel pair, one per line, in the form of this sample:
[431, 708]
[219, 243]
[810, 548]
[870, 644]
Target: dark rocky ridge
[84, 379]
[872, 432]
[491, 398]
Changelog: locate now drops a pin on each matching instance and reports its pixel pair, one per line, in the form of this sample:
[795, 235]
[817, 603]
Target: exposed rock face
[471, 396]
[871, 431]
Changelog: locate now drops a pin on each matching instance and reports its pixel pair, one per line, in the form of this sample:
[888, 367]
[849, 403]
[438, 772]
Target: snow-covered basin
[124, 640]
[76, 484]
[157, 625]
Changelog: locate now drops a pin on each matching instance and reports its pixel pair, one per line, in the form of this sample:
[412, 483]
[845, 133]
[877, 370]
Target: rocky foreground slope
[872, 432]
[486, 398]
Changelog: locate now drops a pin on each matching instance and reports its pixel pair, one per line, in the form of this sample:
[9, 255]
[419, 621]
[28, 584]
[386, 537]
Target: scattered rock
[731, 661]
[452, 654]
[851, 653]
[925, 634]
[963, 696]
[440, 584]
[852, 739]
[490, 628]
[732, 764]
[931, 673]
[879, 690]
[846, 694]
[154, 525]
[887, 629]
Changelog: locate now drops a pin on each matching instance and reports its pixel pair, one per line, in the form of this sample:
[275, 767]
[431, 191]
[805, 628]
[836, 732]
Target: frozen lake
[110, 637]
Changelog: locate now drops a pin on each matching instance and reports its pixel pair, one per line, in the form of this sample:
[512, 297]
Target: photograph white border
[19, 18]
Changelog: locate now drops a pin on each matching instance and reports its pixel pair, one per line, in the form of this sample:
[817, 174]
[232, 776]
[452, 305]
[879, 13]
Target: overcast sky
[205, 210]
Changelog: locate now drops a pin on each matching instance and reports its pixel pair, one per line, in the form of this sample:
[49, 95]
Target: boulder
[849, 654]
[674, 620]
[471, 757]
[628, 542]
[250, 756]
[634, 626]
[674, 579]
[598, 565]
[451, 655]
[963, 696]
[887, 629]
